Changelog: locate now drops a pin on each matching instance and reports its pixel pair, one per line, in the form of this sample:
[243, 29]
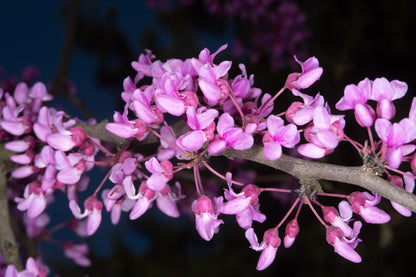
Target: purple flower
[77, 253]
[395, 137]
[384, 92]
[363, 203]
[165, 199]
[245, 205]
[93, 209]
[355, 98]
[323, 133]
[341, 219]
[162, 172]
[342, 245]
[311, 72]
[278, 135]
[206, 213]
[33, 269]
[269, 245]
[125, 128]
[292, 230]
[228, 135]
[409, 185]
[199, 121]
[34, 200]
[302, 113]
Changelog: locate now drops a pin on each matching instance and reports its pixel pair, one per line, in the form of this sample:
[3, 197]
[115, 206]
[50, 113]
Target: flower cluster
[178, 114]
[51, 155]
[372, 102]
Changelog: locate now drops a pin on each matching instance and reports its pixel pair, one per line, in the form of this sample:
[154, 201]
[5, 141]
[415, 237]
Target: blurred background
[352, 40]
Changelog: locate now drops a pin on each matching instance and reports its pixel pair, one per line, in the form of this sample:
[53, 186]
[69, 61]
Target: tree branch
[296, 167]
[8, 245]
[316, 170]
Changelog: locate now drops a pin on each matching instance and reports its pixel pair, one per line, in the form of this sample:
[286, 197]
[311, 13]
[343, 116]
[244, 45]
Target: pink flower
[228, 135]
[116, 201]
[77, 253]
[93, 209]
[395, 137]
[33, 269]
[50, 128]
[364, 204]
[212, 86]
[206, 213]
[141, 105]
[302, 113]
[22, 145]
[70, 167]
[332, 216]
[199, 121]
[36, 226]
[384, 92]
[409, 186]
[167, 149]
[125, 128]
[245, 205]
[34, 200]
[165, 199]
[269, 245]
[356, 97]
[277, 136]
[342, 245]
[143, 65]
[323, 133]
[162, 172]
[292, 230]
[311, 72]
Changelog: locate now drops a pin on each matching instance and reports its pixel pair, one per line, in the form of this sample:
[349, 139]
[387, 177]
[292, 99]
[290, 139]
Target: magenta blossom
[409, 185]
[277, 136]
[269, 245]
[206, 212]
[33, 269]
[93, 209]
[228, 135]
[165, 199]
[77, 252]
[343, 245]
[363, 203]
[34, 200]
[355, 98]
[311, 72]
[245, 205]
[384, 92]
[201, 121]
[292, 230]
[323, 134]
[395, 139]
[162, 172]
[302, 113]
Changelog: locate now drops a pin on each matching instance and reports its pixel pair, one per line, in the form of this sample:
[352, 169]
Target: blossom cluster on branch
[193, 109]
